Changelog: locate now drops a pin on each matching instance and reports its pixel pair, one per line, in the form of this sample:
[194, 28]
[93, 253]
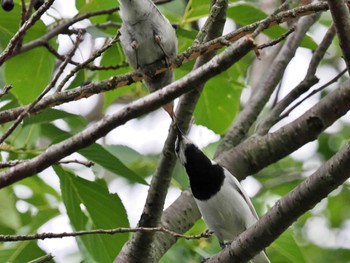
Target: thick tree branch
[127, 79]
[288, 209]
[340, 15]
[259, 151]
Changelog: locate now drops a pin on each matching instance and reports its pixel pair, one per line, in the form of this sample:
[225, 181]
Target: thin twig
[340, 14]
[42, 236]
[6, 90]
[309, 80]
[278, 40]
[96, 54]
[46, 90]
[20, 33]
[333, 80]
[42, 259]
[15, 162]
[85, 163]
[64, 27]
[158, 67]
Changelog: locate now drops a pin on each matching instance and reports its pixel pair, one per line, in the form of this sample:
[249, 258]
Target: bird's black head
[205, 176]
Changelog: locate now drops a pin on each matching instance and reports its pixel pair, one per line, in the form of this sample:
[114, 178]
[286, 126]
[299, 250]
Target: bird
[222, 202]
[147, 36]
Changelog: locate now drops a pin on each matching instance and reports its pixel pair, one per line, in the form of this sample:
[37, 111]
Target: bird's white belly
[226, 213]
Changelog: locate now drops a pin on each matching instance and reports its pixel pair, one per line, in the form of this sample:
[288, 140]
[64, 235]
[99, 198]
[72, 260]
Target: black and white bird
[146, 37]
[223, 203]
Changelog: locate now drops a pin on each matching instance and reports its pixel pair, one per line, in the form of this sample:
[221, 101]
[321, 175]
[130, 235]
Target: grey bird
[146, 37]
[223, 203]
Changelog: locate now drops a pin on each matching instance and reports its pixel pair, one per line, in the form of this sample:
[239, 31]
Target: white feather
[228, 213]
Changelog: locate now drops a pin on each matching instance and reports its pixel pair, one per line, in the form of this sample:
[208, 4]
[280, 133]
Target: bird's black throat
[206, 178]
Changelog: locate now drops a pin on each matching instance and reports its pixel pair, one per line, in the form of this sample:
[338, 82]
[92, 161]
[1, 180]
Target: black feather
[206, 178]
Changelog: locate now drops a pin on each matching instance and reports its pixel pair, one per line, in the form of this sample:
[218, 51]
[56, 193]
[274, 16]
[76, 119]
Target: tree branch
[141, 247]
[309, 80]
[8, 51]
[119, 230]
[149, 103]
[127, 79]
[340, 15]
[257, 101]
[258, 152]
[59, 29]
[45, 91]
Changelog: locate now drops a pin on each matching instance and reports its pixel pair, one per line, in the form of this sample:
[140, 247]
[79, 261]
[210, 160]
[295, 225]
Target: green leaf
[142, 164]
[90, 206]
[195, 9]
[286, 248]
[48, 115]
[9, 216]
[53, 133]
[98, 154]
[338, 208]
[113, 56]
[9, 23]
[244, 13]
[79, 79]
[41, 191]
[21, 252]
[85, 6]
[96, 32]
[324, 255]
[29, 73]
[219, 102]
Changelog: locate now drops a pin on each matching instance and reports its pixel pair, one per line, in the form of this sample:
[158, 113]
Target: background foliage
[29, 204]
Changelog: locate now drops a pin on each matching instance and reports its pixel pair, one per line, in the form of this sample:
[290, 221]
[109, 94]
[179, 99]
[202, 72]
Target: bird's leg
[225, 244]
[158, 41]
[134, 46]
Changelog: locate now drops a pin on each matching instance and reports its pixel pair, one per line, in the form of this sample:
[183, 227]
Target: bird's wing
[234, 182]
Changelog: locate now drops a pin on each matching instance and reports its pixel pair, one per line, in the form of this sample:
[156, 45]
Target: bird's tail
[261, 258]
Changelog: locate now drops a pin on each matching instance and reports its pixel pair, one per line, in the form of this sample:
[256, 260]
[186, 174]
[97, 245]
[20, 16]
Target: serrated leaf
[101, 156]
[102, 210]
[29, 73]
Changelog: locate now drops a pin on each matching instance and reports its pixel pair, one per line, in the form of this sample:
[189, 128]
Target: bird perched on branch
[222, 201]
[146, 37]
